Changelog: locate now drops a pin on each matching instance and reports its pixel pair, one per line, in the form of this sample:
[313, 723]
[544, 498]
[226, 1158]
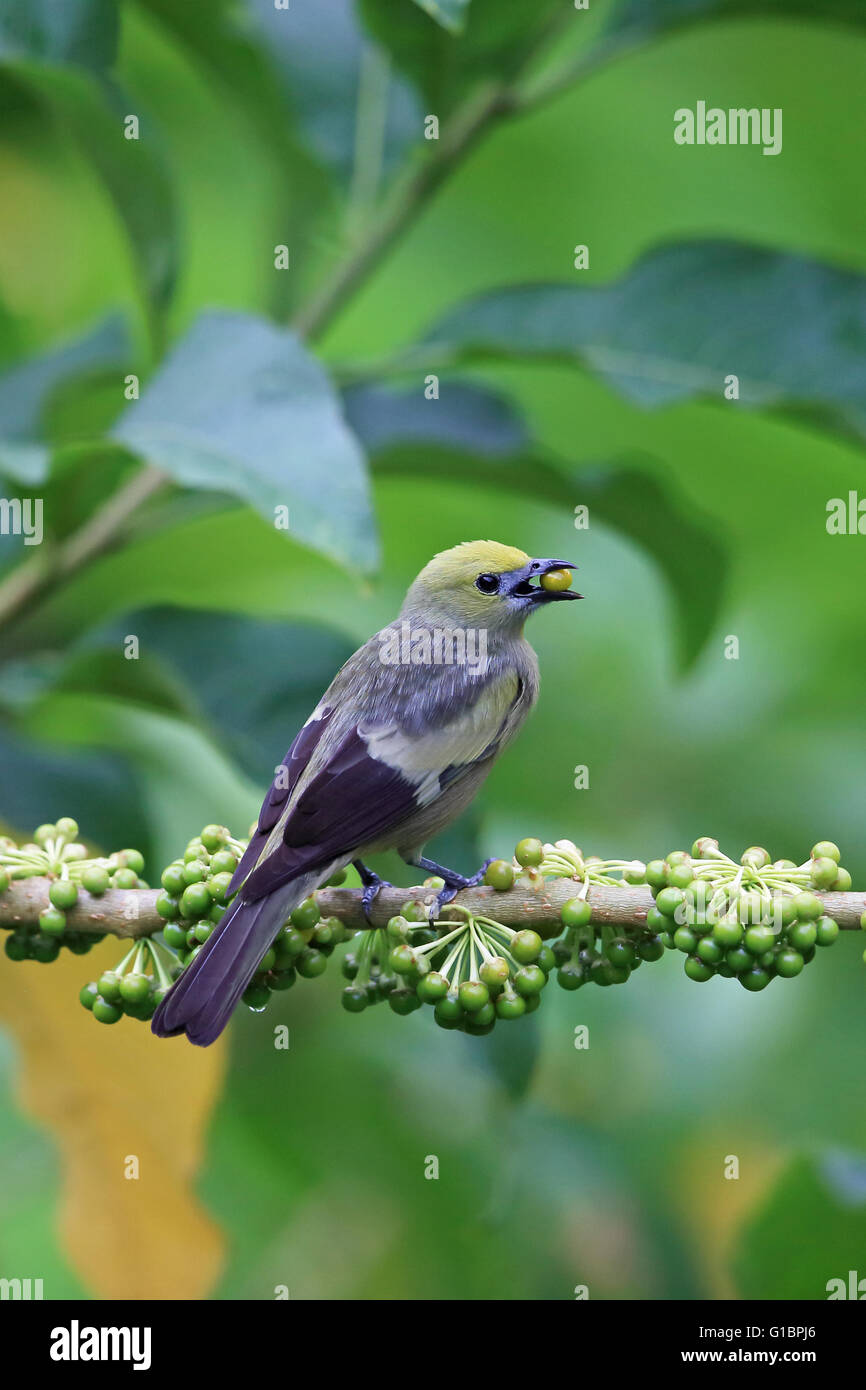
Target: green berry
[656, 921]
[680, 876]
[108, 985]
[282, 979]
[685, 940]
[802, 935]
[827, 931]
[52, 921]
[167, 906]
[63, 893]
[728, 932]
[670, 900]
[755, 857]
[529, 979]
[256, 996]
[196, 871]
[823, 871]
[494, 973]
[448, 1009]
[500, 875]
[825, 849]
[125, 879]
[526, 946]
[43, 833]
[739, 959]
[134, 988]
[571, 975]
[95, 880]
[652, 948]
[310, 964]
[657, 873]
[17, 946]
[620, 952]
[529, 853]
[473, 995]
[403, 1001]
[842, 882]
[44, 949]
[757, 940]
[306, 915]
[697, 970]
[576, 913]
[213, 837]
[808, 907]
[217, 885]
[709, 951]
[173, 880]
[195, 901]
[131, 859]
[431, 988]
[635, 873]
[88, 994]
[789, 963]
[173, 935]
[104, 1011]
[67, 827]
[397, 929]
[402, 959]
[755, 979]
[510, 1005]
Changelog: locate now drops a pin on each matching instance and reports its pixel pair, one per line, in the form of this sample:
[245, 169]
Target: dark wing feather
[283, 785]
[353, 799]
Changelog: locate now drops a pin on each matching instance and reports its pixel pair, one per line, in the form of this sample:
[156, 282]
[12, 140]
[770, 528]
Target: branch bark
[132, 913]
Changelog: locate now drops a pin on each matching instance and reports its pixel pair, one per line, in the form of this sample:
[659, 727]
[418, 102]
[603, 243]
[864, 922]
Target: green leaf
[132, 172]
[686, 317]
[26, 392]
[809, 1232]
[451, 14]
[240, 406]
[81, 32]
[472, 434]
[444, 63]
[318, 53]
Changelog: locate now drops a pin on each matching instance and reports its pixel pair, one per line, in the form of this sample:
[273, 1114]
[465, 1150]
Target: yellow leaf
[109, 1095]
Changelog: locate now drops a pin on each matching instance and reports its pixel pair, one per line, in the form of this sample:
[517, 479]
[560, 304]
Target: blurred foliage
[261, 128]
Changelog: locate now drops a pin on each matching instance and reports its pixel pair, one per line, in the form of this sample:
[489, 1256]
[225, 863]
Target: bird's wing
[376, 776]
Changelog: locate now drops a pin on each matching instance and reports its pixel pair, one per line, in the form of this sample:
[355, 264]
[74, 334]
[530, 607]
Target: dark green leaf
[319, 53]
[792, 330]
[81, 32]
[240, 406]
[495, 41]
[809, 1232]
[472, 435]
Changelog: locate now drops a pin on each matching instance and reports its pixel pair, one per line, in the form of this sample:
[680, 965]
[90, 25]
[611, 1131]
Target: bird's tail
[202, 1001]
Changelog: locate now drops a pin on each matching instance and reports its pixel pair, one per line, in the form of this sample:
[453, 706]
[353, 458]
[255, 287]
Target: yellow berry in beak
[556, 580]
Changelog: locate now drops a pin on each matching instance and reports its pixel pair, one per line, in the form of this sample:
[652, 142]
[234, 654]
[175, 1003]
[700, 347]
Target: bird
[397, 747]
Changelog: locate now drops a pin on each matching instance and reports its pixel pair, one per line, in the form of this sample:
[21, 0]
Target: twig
[132, 912]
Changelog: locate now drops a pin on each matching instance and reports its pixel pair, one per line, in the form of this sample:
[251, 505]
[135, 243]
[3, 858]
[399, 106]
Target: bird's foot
[454, 882]
[371, 884]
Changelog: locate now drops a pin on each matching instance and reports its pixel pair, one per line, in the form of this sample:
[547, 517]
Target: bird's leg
[453, 881]
[371, 883]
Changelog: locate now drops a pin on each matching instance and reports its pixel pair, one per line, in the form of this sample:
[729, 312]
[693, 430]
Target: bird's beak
[523, 582]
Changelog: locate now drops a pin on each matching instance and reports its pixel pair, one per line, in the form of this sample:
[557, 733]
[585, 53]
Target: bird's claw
[372, 885]
[450, 891]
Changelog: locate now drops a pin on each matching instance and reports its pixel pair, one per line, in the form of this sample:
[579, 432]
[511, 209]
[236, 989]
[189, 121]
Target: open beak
[524, 583]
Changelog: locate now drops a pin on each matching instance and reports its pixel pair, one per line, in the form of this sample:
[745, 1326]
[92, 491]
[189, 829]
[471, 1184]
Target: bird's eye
[487, 583]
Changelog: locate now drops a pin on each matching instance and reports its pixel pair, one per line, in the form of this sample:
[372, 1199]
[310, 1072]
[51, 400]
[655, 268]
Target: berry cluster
[753, 920]
[56, 853]
[134, 987]
[472, 973]
[195, 894]
[606, 955]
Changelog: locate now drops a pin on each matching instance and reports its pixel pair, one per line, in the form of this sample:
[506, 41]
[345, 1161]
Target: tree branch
[132, 912]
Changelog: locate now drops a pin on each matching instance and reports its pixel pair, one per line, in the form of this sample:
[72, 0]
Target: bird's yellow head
[486, 584]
